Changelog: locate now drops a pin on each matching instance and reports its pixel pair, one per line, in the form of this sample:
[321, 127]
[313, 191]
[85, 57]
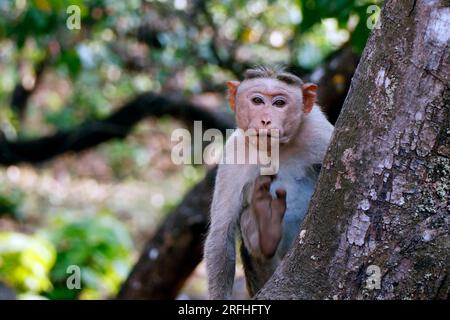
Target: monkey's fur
[306, 134]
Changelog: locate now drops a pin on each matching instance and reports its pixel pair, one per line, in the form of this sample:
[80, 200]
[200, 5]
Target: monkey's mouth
[264, 133]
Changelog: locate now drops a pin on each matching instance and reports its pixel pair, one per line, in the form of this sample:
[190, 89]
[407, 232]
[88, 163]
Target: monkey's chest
[299, 182]
[299, 188]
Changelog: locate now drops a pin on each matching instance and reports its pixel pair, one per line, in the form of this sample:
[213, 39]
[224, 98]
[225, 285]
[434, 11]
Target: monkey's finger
[266, 177]
[278, 206]
[263, 179]
[263, 183]
[262, 195]
[262, 208]
[281, 193]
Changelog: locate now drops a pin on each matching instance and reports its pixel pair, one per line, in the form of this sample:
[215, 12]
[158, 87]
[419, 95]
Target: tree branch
[21, 95]
[117, 125]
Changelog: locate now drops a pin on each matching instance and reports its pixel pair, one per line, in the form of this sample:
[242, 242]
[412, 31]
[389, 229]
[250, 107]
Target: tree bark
[378, 222]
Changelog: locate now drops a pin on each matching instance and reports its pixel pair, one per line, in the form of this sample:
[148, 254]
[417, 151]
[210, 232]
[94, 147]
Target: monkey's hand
[269, 214]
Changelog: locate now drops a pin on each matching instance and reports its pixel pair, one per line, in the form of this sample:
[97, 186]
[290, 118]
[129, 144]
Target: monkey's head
[271, 99]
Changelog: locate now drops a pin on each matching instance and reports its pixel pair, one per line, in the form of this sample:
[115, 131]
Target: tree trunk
[378, 222]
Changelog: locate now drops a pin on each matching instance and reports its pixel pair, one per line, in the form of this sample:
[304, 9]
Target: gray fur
[231, 211]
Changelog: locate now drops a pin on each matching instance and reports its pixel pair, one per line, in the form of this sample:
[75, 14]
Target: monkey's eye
[257, 100]
[279, 103]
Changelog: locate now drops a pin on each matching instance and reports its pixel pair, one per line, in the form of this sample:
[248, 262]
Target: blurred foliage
[125, 47]
[343, 12]
[122, 157]
[10, 201]
[100, 247]
[36, 267]
[25, 262]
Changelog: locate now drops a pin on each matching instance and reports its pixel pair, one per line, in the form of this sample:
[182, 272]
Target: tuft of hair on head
[273, 72]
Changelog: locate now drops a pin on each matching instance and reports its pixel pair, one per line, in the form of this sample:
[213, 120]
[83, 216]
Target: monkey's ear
[232, 90]
[309, 96]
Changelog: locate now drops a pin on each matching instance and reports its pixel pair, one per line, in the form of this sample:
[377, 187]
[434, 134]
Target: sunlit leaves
[25, 261]
[71, 60]
[100, 247]
[343, 11]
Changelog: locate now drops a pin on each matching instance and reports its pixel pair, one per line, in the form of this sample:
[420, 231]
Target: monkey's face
[263, 104]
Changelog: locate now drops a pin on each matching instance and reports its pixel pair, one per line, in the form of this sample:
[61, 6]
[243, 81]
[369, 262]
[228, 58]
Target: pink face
[265, 103]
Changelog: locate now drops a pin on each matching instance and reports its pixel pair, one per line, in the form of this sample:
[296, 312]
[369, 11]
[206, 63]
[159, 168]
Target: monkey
[265, 211]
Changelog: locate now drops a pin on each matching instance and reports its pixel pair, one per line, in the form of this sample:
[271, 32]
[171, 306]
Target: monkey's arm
[220, 251]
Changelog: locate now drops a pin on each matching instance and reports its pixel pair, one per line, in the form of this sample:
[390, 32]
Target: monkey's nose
[266, 122]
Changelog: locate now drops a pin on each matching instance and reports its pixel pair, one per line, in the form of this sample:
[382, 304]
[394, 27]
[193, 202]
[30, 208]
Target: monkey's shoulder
[301, 164]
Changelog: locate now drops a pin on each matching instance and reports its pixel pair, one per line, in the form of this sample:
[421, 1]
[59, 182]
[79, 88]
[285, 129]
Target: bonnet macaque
[267, 210]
